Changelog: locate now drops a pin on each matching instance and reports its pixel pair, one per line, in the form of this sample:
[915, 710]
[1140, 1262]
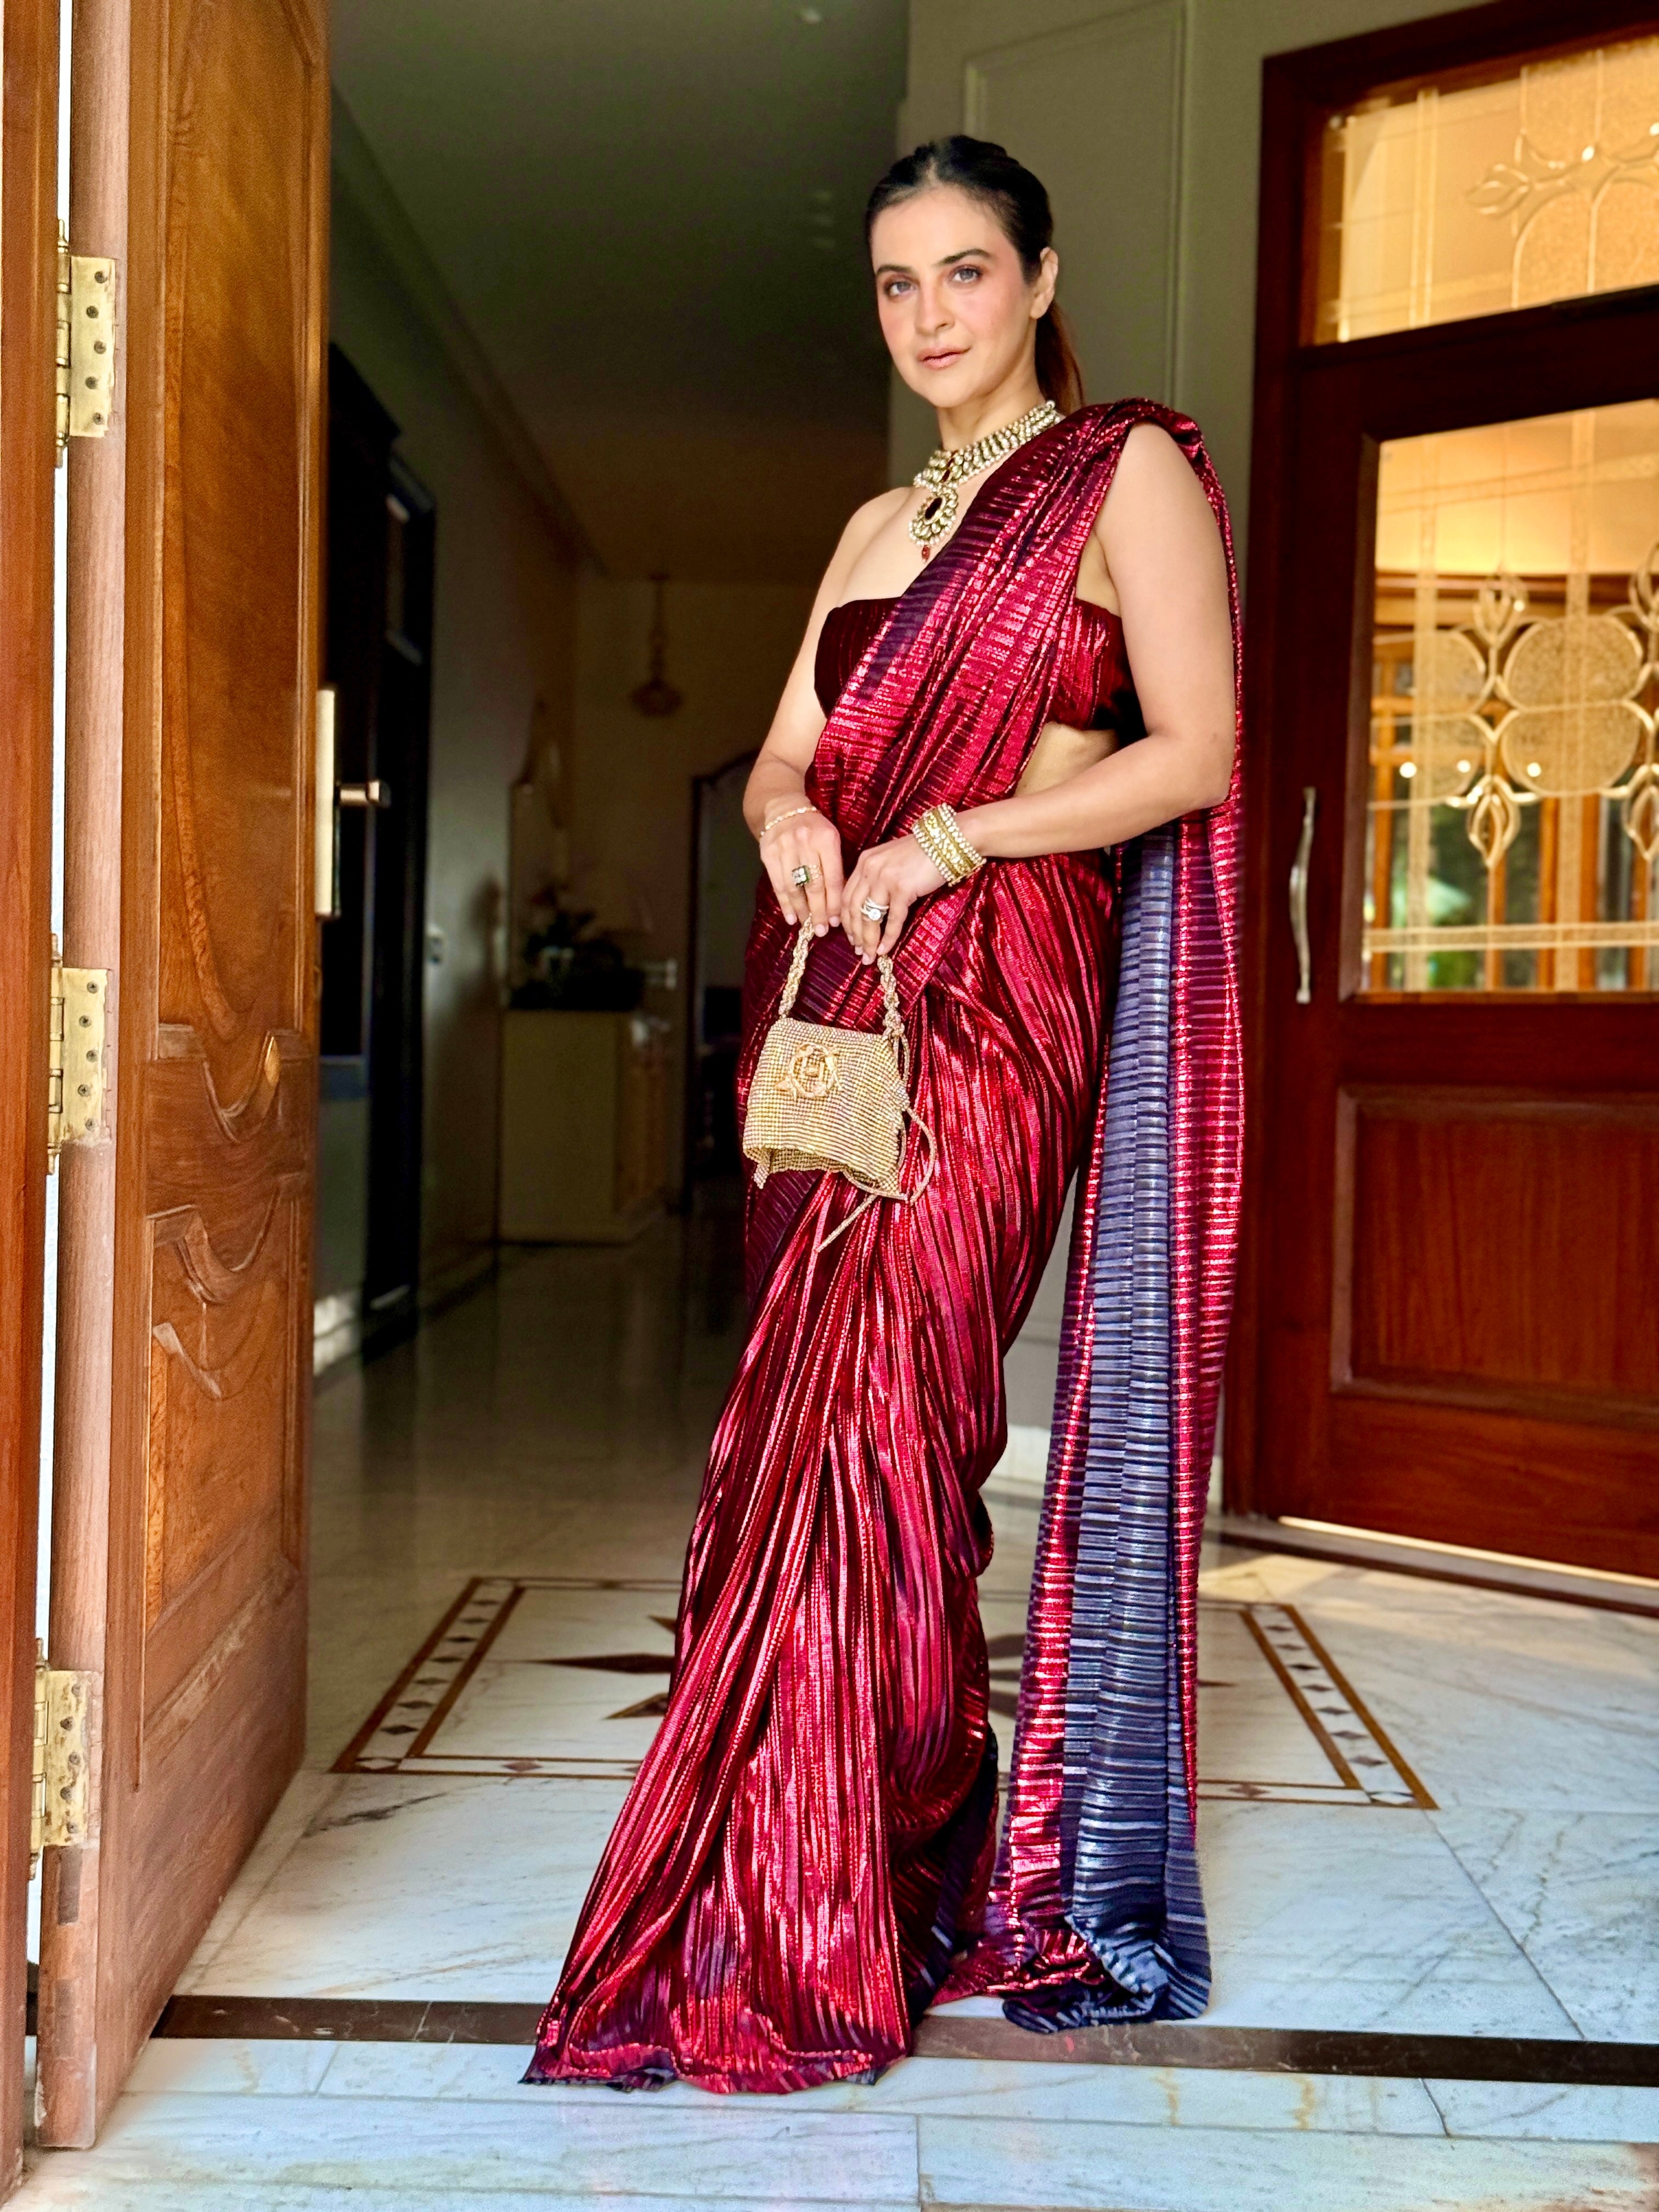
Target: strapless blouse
[1094, 690]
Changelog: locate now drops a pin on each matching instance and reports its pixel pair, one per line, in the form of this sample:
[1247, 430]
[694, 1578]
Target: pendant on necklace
[925, 551]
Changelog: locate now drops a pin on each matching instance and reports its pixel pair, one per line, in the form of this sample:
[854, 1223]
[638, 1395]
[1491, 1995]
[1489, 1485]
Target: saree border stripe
[1126, 1819]
[211, 2016]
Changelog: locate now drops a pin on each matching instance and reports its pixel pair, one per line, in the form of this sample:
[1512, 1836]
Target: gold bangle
[969, 853]
[956, 869]
[946, 839]
[937, 832]
[788, 815]
[923, 831]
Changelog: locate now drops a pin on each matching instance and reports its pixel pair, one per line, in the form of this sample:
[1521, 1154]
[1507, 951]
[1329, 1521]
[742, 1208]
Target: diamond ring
[871, 912]
[800, 876]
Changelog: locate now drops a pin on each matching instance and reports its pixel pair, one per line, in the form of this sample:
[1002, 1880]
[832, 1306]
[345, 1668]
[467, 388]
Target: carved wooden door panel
[201, 1641]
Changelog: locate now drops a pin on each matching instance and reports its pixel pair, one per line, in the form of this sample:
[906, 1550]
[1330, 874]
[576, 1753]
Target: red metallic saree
[802, 1863]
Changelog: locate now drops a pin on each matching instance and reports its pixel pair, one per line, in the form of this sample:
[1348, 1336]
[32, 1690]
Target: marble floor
[1428, 1814]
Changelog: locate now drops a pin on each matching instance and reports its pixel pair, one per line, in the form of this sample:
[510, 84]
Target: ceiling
[648, 213]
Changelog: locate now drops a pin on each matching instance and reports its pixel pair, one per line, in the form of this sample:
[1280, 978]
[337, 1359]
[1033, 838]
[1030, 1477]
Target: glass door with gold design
[1454, 690]
[1512, 818]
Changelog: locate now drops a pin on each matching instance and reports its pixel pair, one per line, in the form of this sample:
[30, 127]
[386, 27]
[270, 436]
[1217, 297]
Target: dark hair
[990, 174]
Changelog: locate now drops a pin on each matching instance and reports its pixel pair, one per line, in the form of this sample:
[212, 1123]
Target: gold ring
[800, 876]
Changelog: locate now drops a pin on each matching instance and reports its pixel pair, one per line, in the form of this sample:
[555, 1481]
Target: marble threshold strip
[1508, 1578]
[1138, 2043]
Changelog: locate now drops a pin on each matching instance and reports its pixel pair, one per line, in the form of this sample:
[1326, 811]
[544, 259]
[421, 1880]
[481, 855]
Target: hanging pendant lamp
[657, 696]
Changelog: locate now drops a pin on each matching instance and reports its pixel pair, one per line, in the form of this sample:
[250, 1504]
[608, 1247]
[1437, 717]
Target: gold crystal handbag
[835, 1100]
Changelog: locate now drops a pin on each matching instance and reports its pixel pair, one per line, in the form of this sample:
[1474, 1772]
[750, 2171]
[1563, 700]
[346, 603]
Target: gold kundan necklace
[933, 518]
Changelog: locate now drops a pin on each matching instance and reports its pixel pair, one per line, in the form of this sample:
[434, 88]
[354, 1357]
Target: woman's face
[958, 310]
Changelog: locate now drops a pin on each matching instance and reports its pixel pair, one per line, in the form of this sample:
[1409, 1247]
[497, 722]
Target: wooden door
[1454, 1198]
[201, 162]
[28, 156]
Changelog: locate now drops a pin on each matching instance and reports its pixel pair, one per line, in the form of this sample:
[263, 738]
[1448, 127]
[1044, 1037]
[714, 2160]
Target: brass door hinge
[86, 343]
[75, 1098]
[63, 1803]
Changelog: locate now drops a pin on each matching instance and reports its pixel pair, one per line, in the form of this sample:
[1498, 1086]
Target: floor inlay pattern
[540, 1676]
[1365, 1762]
[440, 1716]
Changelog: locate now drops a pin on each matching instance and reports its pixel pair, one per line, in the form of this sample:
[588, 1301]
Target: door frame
[373, 957]
[397, 1016]
[690, 1087]
[28, 223]
[1299, 90]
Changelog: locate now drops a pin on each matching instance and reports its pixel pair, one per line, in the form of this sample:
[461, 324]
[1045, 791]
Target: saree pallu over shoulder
[1096, 1912]
[808, 1839]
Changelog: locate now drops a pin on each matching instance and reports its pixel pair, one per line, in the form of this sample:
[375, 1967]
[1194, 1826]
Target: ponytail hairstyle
[990, 174]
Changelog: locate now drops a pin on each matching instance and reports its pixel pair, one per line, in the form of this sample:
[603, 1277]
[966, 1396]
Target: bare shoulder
[1154, 488]
[861, 527]
[1153, 463]
[865, 521]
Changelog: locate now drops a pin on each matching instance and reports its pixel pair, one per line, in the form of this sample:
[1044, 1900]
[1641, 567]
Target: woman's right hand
[807, 839]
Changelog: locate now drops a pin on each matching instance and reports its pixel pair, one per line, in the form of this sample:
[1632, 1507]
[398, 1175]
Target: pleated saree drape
[808, 1840]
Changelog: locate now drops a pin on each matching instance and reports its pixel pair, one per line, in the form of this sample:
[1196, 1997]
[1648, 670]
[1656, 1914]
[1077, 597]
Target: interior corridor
[1428, 1835]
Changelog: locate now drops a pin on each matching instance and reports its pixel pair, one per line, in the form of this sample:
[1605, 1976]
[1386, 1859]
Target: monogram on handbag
[834, 1099]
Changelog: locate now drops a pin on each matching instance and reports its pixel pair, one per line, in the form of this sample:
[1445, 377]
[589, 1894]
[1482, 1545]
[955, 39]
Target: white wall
[505, 624]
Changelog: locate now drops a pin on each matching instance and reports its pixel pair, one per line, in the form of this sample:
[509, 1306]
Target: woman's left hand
[893, 875]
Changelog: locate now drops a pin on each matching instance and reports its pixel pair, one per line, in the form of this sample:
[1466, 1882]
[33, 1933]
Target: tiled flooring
[1428, 1810]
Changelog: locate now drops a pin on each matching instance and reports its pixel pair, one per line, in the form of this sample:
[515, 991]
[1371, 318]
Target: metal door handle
[328, 800]
[324, 888]
[1299, 898]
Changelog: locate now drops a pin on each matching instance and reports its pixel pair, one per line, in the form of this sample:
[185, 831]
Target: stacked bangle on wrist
[939, 836]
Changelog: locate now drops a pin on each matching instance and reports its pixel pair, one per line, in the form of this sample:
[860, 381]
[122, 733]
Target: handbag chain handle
[892, 1021]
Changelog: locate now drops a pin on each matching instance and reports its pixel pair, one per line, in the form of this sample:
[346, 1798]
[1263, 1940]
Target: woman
[804, 1861]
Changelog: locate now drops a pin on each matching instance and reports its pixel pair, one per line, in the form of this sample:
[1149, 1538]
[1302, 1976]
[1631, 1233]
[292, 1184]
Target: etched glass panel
[1512, 829]
[1542, 186]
